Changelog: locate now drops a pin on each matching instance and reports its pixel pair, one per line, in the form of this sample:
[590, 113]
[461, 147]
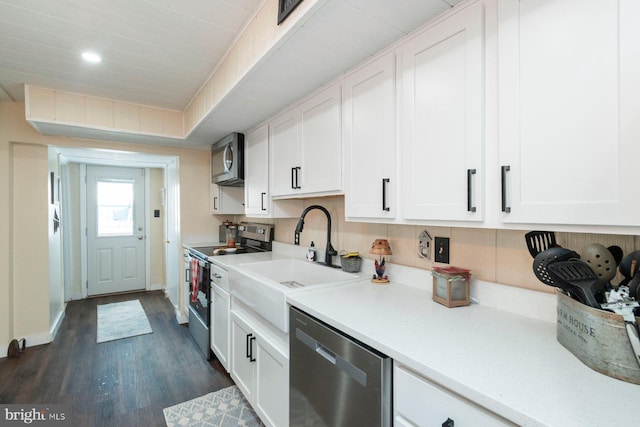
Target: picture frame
[285, 7]
[55, 188]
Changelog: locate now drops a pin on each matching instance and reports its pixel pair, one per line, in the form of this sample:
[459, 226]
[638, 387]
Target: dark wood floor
[119, 383]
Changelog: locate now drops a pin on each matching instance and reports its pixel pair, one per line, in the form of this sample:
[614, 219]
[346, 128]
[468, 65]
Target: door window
[115, 208]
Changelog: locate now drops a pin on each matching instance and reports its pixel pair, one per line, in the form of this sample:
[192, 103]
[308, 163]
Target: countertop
[509, 364]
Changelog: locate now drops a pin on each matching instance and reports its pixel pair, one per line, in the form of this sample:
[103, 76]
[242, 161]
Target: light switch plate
[441, 250]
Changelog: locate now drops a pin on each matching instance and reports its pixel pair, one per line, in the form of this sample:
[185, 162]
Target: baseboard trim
[57, 323]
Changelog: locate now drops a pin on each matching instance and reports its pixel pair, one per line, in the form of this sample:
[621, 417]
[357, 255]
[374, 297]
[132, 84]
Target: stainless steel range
[252, 237]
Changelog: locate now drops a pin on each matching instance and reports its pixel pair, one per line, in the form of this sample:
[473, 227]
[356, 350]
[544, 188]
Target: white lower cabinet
[260, 369]
[419, 402]
[220, 328]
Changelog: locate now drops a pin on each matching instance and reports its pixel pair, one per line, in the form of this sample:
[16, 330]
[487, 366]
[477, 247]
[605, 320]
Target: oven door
[200, 303]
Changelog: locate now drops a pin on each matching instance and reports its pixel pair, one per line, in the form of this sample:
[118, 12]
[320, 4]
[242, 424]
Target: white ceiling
[160, 52]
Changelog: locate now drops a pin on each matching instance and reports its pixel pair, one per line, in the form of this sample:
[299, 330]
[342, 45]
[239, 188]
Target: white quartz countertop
[509, 364]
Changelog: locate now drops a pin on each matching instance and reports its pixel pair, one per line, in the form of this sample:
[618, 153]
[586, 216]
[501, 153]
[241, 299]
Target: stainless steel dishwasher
[335, 381]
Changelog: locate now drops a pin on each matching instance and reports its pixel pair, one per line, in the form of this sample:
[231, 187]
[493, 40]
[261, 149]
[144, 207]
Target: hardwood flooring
[118, 383]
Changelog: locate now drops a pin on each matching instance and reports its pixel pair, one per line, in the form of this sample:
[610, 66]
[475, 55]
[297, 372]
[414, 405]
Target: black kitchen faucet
[329, 251]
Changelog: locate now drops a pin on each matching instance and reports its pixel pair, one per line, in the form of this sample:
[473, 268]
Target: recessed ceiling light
[91, 57]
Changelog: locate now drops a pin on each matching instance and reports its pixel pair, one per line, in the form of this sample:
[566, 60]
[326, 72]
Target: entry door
[115, 230]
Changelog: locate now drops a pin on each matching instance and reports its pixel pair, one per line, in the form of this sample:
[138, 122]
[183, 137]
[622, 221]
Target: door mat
[122, 320]
[226, 407]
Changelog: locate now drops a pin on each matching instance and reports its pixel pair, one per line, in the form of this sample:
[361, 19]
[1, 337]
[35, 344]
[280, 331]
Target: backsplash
[492, 255]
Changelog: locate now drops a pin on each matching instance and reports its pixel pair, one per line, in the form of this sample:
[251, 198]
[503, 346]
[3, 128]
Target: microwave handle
[227, 167]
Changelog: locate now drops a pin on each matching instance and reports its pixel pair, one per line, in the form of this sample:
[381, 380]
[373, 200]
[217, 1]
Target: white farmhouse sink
[264, 286]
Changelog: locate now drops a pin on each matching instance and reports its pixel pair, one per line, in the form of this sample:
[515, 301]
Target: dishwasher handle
[326, 353]
[345, 366]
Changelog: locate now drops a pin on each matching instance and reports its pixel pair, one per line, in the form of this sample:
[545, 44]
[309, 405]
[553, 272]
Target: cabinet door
[369, 140]
[272, 384]
[226, 200]
[418, 402]
[256, 174]
[321, 142]
[220, 329]
[284, 159]
[443, 128]
[569, 127]
[243, 357]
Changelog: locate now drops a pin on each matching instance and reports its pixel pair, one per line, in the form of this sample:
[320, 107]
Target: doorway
[116, 230]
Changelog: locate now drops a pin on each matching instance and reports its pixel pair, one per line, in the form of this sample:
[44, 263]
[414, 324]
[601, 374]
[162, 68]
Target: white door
[256, 173]
[285, 154]
[370, 143]
[443, 141]
[569, 127]
[115, 230]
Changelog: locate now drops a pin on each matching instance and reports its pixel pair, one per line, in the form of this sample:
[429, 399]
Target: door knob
[140, 237]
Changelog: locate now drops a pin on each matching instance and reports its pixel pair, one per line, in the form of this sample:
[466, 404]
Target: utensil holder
[598, 338]
[351, 264]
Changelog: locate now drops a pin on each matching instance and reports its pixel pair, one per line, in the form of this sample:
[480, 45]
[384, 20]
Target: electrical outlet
[441, 250]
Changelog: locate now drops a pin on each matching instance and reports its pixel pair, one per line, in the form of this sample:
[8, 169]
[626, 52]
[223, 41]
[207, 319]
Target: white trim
[57, 323]
[147, 225]
[83, 231]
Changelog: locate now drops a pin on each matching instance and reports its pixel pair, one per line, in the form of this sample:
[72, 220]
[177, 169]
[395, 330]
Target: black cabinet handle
[248, 346]
[251, 356]
[215, 206]
[448, 423]
[297, 187]
[293, 173]
[504, 170]
[262, 201]
[470, 174]
[385, 181]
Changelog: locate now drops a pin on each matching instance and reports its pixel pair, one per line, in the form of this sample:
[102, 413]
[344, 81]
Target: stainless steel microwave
[227, 161]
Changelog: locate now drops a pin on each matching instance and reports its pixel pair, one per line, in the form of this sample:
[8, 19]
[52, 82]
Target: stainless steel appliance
[227, 161]
[251, 237]
[334, 379]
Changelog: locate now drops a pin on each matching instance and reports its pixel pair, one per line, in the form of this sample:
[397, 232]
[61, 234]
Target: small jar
[231, 236]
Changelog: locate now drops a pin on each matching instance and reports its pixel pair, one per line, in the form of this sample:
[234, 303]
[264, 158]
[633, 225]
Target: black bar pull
[504, 170]
[470, 174]
[293, 173]
[297, 168]
[385, 181]
[215, 204]
[262, 201]
[251, 356]
[248, 346]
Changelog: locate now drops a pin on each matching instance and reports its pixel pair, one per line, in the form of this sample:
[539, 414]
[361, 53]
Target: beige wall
[24, 290]
[499, 256]
[156, 228]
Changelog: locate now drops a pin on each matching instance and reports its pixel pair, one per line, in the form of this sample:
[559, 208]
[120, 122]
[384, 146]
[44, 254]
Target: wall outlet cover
[441, 250]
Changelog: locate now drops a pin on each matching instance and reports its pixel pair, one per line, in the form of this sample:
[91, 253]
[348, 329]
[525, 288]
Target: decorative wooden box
[598, 338]
[451, 286]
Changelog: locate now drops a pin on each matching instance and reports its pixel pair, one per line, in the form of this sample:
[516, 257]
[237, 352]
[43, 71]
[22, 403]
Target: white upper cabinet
[370, 142]
[569, 113]
[256, 174]
[258, 201]
[306, 147]
[442, 141]
[225, 200]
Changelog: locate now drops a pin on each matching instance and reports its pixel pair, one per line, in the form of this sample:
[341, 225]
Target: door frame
[173, 254]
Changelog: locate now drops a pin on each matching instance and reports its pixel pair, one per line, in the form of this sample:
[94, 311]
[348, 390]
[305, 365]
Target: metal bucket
[598, 338]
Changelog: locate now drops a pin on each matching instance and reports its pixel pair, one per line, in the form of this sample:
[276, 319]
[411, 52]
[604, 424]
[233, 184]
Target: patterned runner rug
[122, 320]
[222, 408]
